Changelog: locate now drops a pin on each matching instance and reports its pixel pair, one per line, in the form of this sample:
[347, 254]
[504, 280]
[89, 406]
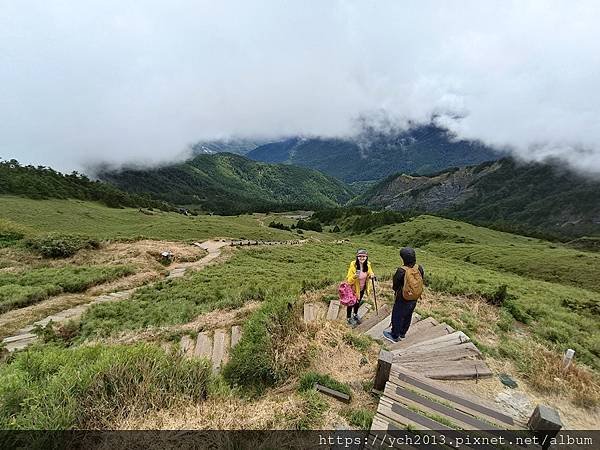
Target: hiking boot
[390, 337]
[357, 319]
[351, 321]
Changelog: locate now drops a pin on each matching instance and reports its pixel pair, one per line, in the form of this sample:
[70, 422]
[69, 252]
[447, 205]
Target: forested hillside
[375, 155]
[229, 184]
[534, 198]
[43, 183]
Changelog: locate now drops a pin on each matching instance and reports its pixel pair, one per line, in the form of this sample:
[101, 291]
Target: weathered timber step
[423, 335]
[376, 332]
[236, 334]
[403, 416]
[435, 343]
[333, 310]
[453, 353]
[363, 310]
[214, 346]
[465, 369]
[312, 312]
[411, 400]
[220, 350]
[204, 345]
[374, 318]
[445, 394]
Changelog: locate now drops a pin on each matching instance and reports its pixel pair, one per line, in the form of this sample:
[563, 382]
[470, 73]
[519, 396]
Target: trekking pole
[374, 296]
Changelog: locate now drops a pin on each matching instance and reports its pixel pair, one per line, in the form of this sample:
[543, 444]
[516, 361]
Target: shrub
[60, 246]
[48, 387]
[361, 417]
[260, 359]
[359, 342]
[279, 226]
[308, 380]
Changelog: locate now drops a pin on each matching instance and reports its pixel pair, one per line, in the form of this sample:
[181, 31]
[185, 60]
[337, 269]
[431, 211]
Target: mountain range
[225, 183]
[375, 155]
[543, 198]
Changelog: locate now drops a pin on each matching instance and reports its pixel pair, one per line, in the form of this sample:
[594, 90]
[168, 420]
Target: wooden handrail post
[545, 423]
[384, 365]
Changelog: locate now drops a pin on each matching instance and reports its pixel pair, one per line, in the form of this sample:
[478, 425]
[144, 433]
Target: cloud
[83, 82]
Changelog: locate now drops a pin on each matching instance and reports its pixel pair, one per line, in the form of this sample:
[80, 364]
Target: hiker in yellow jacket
[359, 275]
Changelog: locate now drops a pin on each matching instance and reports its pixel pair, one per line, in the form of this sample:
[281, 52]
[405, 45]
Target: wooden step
[452, 339]
[453, 353]
[423, 335]
[333, 310]
[374, 318]
[362, 311]
[204, 346]
[310, 312]
[446, 394]
[186, 344]
[236, 334]
[403, 416]
[220, 351]
[451, 370]
[376, 332]
[422, 325]
[412, 400]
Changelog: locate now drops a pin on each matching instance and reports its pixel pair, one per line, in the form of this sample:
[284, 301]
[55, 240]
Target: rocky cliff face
[428, 193]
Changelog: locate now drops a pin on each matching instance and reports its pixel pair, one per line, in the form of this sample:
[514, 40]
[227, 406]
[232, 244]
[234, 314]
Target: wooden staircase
[213, 345]
[411, 401]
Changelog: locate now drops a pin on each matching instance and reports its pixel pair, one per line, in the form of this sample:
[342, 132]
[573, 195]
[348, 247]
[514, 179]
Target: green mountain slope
[44, 182]
[375, 155]
[229, 184]
[533, 198]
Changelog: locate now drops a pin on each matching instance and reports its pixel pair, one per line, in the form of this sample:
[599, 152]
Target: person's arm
[398, 280]
[422, 271]
[351, 276]
[370, 273]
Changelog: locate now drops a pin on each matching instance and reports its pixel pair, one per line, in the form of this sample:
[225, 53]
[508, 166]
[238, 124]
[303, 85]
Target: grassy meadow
[31, 286]
[99, 222]
[543, 298]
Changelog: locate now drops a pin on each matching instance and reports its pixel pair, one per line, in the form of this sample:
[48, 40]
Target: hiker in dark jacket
[403, 307]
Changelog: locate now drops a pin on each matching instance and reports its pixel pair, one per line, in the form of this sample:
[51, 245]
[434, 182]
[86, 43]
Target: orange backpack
[413, 283]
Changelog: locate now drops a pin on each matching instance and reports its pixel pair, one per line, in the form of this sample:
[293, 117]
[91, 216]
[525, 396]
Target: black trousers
[402, 316]
[355, 307]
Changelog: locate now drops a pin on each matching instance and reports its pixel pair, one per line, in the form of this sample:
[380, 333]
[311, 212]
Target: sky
[139, 81]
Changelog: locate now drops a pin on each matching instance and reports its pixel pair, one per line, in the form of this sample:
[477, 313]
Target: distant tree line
[43, 183]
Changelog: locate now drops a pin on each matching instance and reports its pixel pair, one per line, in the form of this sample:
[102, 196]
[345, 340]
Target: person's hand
[374, 277]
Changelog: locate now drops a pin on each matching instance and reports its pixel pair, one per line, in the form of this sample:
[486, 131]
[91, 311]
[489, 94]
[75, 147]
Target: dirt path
[25, 337]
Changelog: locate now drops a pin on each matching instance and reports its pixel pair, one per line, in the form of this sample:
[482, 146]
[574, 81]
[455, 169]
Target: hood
[408, 255]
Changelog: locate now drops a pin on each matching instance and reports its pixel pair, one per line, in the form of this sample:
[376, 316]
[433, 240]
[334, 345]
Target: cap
[361, 251]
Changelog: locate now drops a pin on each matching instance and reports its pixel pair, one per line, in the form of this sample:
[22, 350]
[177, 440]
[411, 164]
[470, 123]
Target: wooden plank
[453, 370]
[363, 310]
[446, 394]
[236, 334]
[376, 331]
[384, 310]
[421, 325]
[333, 393]
[220, 350]
[454, 353]
[334, 308]
[402, 415]
[409, 398]
[309, 312]
[457, 336]
[426, 335]
[203, 346]
[456, 339]
[185, 344]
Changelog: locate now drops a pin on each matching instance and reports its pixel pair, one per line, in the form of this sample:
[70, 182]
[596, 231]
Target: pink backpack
[346, 294]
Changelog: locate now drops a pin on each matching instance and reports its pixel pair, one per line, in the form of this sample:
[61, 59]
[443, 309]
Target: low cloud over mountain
[122, 82]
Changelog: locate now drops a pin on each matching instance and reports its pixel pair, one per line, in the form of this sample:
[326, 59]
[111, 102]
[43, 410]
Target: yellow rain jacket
[353, 280]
